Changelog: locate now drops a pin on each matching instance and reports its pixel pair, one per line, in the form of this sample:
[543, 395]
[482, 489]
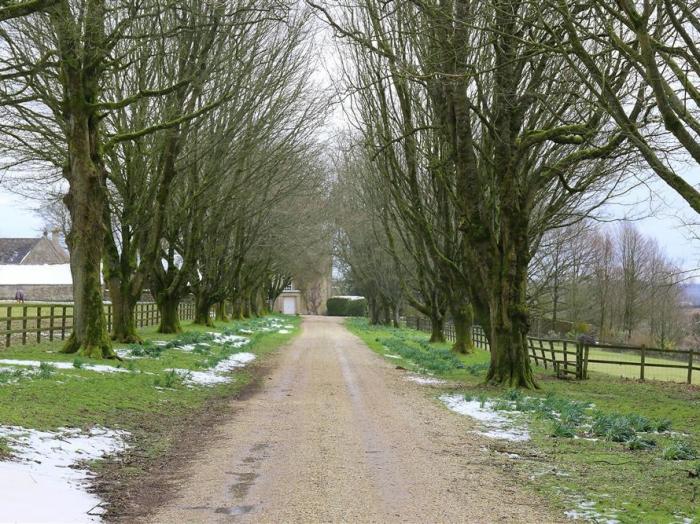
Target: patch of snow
[237, 360]
[126, 354]
[100, 368]
[496, 425]
[45, 483]
[233, 340]
[586, 511]
[350, 297]
[391, 356]
[38, 274]
[215, 375]
[246, 331]
[283, 331]
[425, 380]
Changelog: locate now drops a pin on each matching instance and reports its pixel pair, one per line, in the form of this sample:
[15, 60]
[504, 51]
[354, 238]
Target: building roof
[13, 250]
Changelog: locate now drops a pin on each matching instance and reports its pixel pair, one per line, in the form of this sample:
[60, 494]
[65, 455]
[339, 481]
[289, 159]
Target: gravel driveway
[337, 435]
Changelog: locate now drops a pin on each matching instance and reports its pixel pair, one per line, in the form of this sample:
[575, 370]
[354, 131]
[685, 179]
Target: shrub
[345, 307]
[169, 379]
[78, 362]
[663, 425]
[562, 430]
[190, 337]
[639, 443]
[426, 357]
[46, 370]
[613, 427]
[477, 369]
[679, 450]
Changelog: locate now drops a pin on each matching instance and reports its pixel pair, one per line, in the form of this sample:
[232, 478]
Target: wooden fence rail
[571, 358]
[35, 323]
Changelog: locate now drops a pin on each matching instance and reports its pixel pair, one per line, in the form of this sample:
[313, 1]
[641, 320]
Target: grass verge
[146, 399]
[604, 449]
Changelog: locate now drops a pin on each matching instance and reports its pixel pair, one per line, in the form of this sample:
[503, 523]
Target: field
[595, 477]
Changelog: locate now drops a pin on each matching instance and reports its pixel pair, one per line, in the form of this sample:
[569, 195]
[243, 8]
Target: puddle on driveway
[236, 510]
[245, 481]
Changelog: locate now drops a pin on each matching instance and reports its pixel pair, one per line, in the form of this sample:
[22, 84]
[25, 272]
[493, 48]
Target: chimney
[55, 235]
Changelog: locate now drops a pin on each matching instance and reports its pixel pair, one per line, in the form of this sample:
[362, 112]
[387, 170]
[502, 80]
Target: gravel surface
[338, 435]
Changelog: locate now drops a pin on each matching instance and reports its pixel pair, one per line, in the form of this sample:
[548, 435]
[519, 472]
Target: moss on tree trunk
[123, 306]
[463, 319]
[202, 312]
[169, 315]
[221, 311]
[437, 327]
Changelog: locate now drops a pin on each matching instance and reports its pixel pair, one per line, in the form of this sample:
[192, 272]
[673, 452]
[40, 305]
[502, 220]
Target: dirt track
[337, 435]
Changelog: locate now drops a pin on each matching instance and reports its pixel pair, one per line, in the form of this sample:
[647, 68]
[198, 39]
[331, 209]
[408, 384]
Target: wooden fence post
[63, 322]
[585, 360]
[8, 336]
[690, 366]
[38, 324]
[52, 313]
[24, 325]
[642, 361]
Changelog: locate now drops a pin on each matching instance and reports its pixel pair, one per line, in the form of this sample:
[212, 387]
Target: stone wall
[39, 293]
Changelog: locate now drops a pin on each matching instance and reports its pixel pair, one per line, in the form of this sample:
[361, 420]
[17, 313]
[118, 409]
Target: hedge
[345, 307]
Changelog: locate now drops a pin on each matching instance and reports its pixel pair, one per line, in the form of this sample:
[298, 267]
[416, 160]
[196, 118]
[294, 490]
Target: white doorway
[289, 305]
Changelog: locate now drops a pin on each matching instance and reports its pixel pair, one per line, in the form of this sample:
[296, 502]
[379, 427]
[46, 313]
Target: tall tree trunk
[508, 319]
[236, 308]
[202, 310]
[463, 319]
[123, 306]
[374, 311]
[169, 316]
[221, 312]
[437, 325]
[245, 306]
[85, 200]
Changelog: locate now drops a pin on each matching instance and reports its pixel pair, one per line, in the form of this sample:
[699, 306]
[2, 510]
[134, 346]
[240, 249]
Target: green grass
[18, 309]
[622, 472]
[77, 397]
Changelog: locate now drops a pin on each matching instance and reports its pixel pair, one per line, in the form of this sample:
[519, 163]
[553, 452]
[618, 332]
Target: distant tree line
[611, 282]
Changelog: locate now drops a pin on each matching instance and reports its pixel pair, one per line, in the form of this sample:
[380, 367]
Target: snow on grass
[427, 381]
[585, 510]
[283, 331]
[46, 482]
[389, 355]
[100, 368]
[217, 374]
[232, 340]
[496, 425]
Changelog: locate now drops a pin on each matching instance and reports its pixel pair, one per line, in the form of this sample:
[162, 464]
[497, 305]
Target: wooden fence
[35, 323]
[571, 358]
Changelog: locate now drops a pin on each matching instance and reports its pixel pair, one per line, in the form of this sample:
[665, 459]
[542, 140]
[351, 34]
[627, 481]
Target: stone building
[307, 294]
[39, 267]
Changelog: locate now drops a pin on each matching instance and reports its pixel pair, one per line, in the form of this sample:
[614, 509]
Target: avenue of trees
[481, 128]
[179, 138]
